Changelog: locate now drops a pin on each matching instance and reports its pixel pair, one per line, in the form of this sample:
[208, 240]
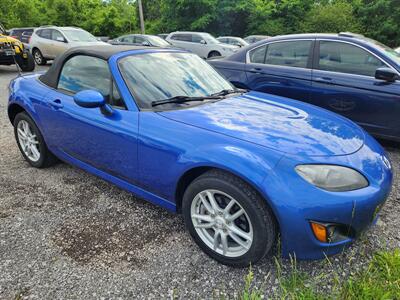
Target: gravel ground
[65, 234]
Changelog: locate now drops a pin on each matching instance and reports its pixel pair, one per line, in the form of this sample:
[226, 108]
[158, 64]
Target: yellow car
[12, 51]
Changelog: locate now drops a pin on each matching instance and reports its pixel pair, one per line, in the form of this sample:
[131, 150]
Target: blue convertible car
[241, 167]
[346, 73]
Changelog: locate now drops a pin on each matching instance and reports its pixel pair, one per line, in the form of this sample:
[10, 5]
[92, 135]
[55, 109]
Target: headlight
[332, 178]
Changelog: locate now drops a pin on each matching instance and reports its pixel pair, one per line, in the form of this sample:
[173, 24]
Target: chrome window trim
[274, 42]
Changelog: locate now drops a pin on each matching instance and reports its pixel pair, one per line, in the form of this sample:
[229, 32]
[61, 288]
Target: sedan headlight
[332, 178]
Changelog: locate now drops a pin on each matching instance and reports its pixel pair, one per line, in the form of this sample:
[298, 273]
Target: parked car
[251, 39]
[163, 35]
[241, 167]
[13, 51]
[140, 40]
[233, 40]
[103, 38]
[397, 50]
[201, 43]
[349, 74]
[47, 42]
[22, 34]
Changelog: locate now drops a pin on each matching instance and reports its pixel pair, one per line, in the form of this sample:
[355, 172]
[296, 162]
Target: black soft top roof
[50, 78]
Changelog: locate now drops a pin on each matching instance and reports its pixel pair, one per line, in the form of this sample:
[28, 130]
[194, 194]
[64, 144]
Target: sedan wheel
[28, 141]
[221, 223]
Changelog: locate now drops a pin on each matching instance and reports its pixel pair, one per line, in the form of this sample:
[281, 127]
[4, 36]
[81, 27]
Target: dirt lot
[67, 234]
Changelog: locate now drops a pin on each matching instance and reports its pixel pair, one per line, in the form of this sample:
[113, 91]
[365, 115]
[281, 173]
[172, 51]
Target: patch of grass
[381, 280]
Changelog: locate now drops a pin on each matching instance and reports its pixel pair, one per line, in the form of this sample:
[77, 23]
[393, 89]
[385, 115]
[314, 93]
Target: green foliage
[248, 292]
[380, 281]
[378, 19]
[113, 17]
[333, 17]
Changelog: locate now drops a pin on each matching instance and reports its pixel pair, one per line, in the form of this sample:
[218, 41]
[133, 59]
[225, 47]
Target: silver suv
[201, 43]
[47, 42]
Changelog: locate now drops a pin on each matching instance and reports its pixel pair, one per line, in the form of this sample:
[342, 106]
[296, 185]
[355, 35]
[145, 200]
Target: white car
[201, 43]
[47, 42]
[397, 50]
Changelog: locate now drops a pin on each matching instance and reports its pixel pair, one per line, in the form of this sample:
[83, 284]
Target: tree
[334, 17]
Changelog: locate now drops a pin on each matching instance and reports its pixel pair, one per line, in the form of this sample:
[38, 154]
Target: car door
[184, 41]
[282, 68]
[44, 42]
[59, 43]
[200, 46]
[344, 81]
[106, 142]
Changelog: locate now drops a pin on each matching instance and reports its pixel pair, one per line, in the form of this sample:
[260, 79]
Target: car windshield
[210, 39]
[78, 35]
[157, 41]
[159, 76]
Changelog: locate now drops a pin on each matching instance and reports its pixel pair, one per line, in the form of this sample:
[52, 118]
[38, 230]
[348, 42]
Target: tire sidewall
[261, 241]
[42, 147]
[41, 56]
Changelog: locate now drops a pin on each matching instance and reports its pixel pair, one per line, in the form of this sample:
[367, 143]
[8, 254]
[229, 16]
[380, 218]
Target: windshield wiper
[229, 91]
[182, 99]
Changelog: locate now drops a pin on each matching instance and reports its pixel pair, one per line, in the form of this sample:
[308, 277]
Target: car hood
[274, 122]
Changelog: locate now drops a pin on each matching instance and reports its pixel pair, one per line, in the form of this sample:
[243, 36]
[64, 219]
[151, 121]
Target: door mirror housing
[89, 99]
[386, 74]
[203, 42]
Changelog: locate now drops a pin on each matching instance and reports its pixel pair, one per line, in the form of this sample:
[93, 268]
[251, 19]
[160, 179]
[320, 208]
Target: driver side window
[83, 72]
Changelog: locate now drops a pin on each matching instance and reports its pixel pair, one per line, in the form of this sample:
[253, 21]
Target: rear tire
[26, 65]
[214, 54]
[38, 56]
[212, 226]
[31, 143]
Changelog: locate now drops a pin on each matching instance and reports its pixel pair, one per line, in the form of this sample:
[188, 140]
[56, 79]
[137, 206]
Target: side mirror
[93, 99]
[386, 74]
[89, 99]
[203, 42]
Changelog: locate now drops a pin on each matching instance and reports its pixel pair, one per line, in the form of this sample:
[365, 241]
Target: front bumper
[296, 202]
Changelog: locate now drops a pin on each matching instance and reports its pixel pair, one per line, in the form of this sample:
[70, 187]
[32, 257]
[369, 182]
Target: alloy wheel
[222, 223]
[28, 141]
[38, 57]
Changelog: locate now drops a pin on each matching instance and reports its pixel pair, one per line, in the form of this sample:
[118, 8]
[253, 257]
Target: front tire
[227, 219]
[38, 56]
[31, 143]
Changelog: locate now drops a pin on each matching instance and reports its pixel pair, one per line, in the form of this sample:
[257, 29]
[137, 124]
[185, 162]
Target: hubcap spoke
[216, 239]
[235, 215]
[236, 230]
[204, 218]
[238, 240]
[224, 242]
[206, 204]
[214, 203]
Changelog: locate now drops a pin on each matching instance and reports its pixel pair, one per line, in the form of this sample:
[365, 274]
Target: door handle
[325, 80]
[256, 70]
[56, 104]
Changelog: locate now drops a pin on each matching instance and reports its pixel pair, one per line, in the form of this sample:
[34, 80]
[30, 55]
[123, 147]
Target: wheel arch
[13, 110]
[191, 174]
[208, 55]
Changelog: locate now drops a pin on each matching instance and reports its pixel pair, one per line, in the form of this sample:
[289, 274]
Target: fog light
[320, 232]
